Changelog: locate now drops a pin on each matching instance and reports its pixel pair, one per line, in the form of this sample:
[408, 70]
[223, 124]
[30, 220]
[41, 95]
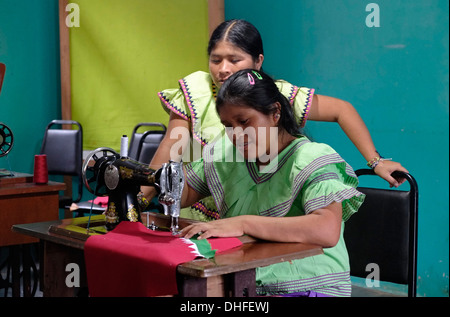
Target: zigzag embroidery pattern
[188, 96]
[166, 102]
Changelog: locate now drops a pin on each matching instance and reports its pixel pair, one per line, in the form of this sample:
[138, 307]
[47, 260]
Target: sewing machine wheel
[6, 139]
[91, 169]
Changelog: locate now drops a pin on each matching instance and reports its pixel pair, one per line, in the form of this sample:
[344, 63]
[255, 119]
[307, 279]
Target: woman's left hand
[231, 227]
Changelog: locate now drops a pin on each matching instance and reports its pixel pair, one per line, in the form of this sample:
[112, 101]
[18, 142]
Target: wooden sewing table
[23, 201]
[230, 273]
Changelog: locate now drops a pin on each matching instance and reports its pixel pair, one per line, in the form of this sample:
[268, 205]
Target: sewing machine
[107, 173]
[6, 143]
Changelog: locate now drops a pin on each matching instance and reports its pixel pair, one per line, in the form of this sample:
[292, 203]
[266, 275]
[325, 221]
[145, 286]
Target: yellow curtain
[123, 53]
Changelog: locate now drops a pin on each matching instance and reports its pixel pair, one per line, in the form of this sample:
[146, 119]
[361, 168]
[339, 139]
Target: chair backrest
[384, 233]
[64, 150]
[143, 145]
[148, 145]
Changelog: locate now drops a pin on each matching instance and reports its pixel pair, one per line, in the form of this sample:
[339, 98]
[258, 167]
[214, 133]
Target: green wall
[123, 53]
[395, 75]
[30, 97]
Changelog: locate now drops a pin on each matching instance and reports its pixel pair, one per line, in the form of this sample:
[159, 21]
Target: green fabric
[204, 247]
[203, 210]
[306, 176]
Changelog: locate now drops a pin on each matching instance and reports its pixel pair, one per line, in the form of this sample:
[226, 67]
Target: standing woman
[193, 123]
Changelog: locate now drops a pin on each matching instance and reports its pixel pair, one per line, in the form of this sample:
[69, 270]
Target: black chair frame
[137, 139]
[55, 167]
[389, 228]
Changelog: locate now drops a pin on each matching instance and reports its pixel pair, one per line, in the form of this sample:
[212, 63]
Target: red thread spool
[40, 169]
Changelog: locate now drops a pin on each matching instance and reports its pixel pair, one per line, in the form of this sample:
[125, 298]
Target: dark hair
[257, 90]
[240, 33]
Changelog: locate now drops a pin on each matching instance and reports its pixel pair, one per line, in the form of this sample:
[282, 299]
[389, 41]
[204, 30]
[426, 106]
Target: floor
[358, 291]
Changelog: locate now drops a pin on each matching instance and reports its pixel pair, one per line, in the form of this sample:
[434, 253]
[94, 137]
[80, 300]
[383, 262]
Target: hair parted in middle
[256, 89]
[240, 33]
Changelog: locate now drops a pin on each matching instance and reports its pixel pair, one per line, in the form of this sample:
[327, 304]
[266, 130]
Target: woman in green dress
[193, 123]
[272, 183]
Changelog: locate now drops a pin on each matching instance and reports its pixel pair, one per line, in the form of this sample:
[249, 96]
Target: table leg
[56, 257]
[20, 264]
[242, 284]
[27, 263]
[238, 284]
[14, 254]
[189, 286]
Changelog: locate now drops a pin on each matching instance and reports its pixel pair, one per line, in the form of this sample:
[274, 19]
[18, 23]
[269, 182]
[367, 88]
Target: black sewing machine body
[121, 179]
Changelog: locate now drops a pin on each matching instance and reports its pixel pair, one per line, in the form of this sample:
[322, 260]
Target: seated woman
[272, 183]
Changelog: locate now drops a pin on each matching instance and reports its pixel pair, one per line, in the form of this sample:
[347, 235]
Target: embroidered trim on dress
[214, 185]
[283, 208]
[172, 107]
[308, 106]
[198, 185]
[199, 206]
[334, 284]
[253, 169]
[293, 94]
[194, 114]
[196, 182]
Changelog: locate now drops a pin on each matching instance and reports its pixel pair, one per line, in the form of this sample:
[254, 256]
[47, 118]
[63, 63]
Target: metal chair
[64, 150]
[383, 234]
[143, 145]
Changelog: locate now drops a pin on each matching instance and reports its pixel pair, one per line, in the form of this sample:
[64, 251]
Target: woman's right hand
[384, 169]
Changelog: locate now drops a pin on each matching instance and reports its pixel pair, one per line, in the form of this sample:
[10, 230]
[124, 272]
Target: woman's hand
[384, 169]
[321, 227]
[230, 227]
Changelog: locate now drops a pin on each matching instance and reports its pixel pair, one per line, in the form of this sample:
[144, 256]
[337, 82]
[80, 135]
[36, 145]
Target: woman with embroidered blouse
[272, 183]
[193, 123]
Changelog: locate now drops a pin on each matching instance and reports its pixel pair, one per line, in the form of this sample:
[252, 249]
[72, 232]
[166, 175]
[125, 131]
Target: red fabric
[223, 244]
[102, 201]
[134, 261]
